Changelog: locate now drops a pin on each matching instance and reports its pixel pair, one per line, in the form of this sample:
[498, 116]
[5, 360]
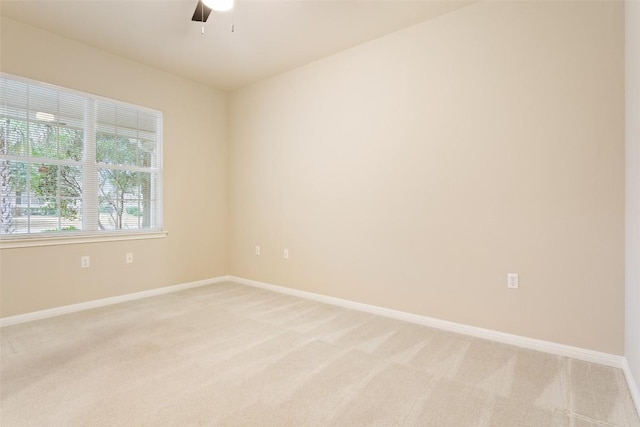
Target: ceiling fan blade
[201, 14]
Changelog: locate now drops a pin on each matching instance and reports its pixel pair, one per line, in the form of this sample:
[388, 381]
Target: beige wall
[195, 167]
[413, 172]
[632, 325]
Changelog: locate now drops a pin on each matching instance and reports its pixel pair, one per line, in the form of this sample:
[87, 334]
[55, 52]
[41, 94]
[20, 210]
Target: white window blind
[72, 163]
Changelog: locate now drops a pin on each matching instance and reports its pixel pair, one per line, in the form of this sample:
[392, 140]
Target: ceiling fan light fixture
[219, 5]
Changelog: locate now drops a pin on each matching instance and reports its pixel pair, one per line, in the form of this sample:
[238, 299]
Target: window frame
[90, 165]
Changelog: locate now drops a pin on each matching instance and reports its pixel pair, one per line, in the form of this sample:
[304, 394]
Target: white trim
[30, 241]
[631, 382]
[516, 340]
[58, 311]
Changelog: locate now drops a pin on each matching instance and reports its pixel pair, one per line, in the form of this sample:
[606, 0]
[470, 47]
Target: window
[72, 163]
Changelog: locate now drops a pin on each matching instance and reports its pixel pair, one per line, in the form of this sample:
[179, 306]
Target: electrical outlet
[285, 254]
[85, 262]
[129, 258]
[512, 280]
[257, 250]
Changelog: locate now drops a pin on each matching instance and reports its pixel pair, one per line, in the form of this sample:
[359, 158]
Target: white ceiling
[270, 36]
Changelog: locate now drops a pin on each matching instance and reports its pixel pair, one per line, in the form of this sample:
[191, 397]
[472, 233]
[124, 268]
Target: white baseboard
[633, 386]
[58, 311]
[530, 343]
[516, 340]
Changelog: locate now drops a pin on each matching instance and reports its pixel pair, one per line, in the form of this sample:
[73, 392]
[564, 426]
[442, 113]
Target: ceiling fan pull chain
[233, 21]
[202, 12]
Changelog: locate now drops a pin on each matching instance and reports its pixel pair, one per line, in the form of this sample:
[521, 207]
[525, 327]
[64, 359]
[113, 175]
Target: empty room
[319, 213]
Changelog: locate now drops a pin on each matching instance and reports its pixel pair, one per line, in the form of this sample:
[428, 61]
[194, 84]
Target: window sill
[31, 241]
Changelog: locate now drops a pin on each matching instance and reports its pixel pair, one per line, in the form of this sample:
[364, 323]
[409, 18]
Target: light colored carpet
[231, 355]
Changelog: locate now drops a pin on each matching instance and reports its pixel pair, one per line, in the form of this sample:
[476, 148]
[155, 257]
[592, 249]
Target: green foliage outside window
[58, 188]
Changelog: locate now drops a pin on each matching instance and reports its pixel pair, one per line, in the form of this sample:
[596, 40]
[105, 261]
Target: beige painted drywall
[195, 171]
[415, 171]
[632, 296]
